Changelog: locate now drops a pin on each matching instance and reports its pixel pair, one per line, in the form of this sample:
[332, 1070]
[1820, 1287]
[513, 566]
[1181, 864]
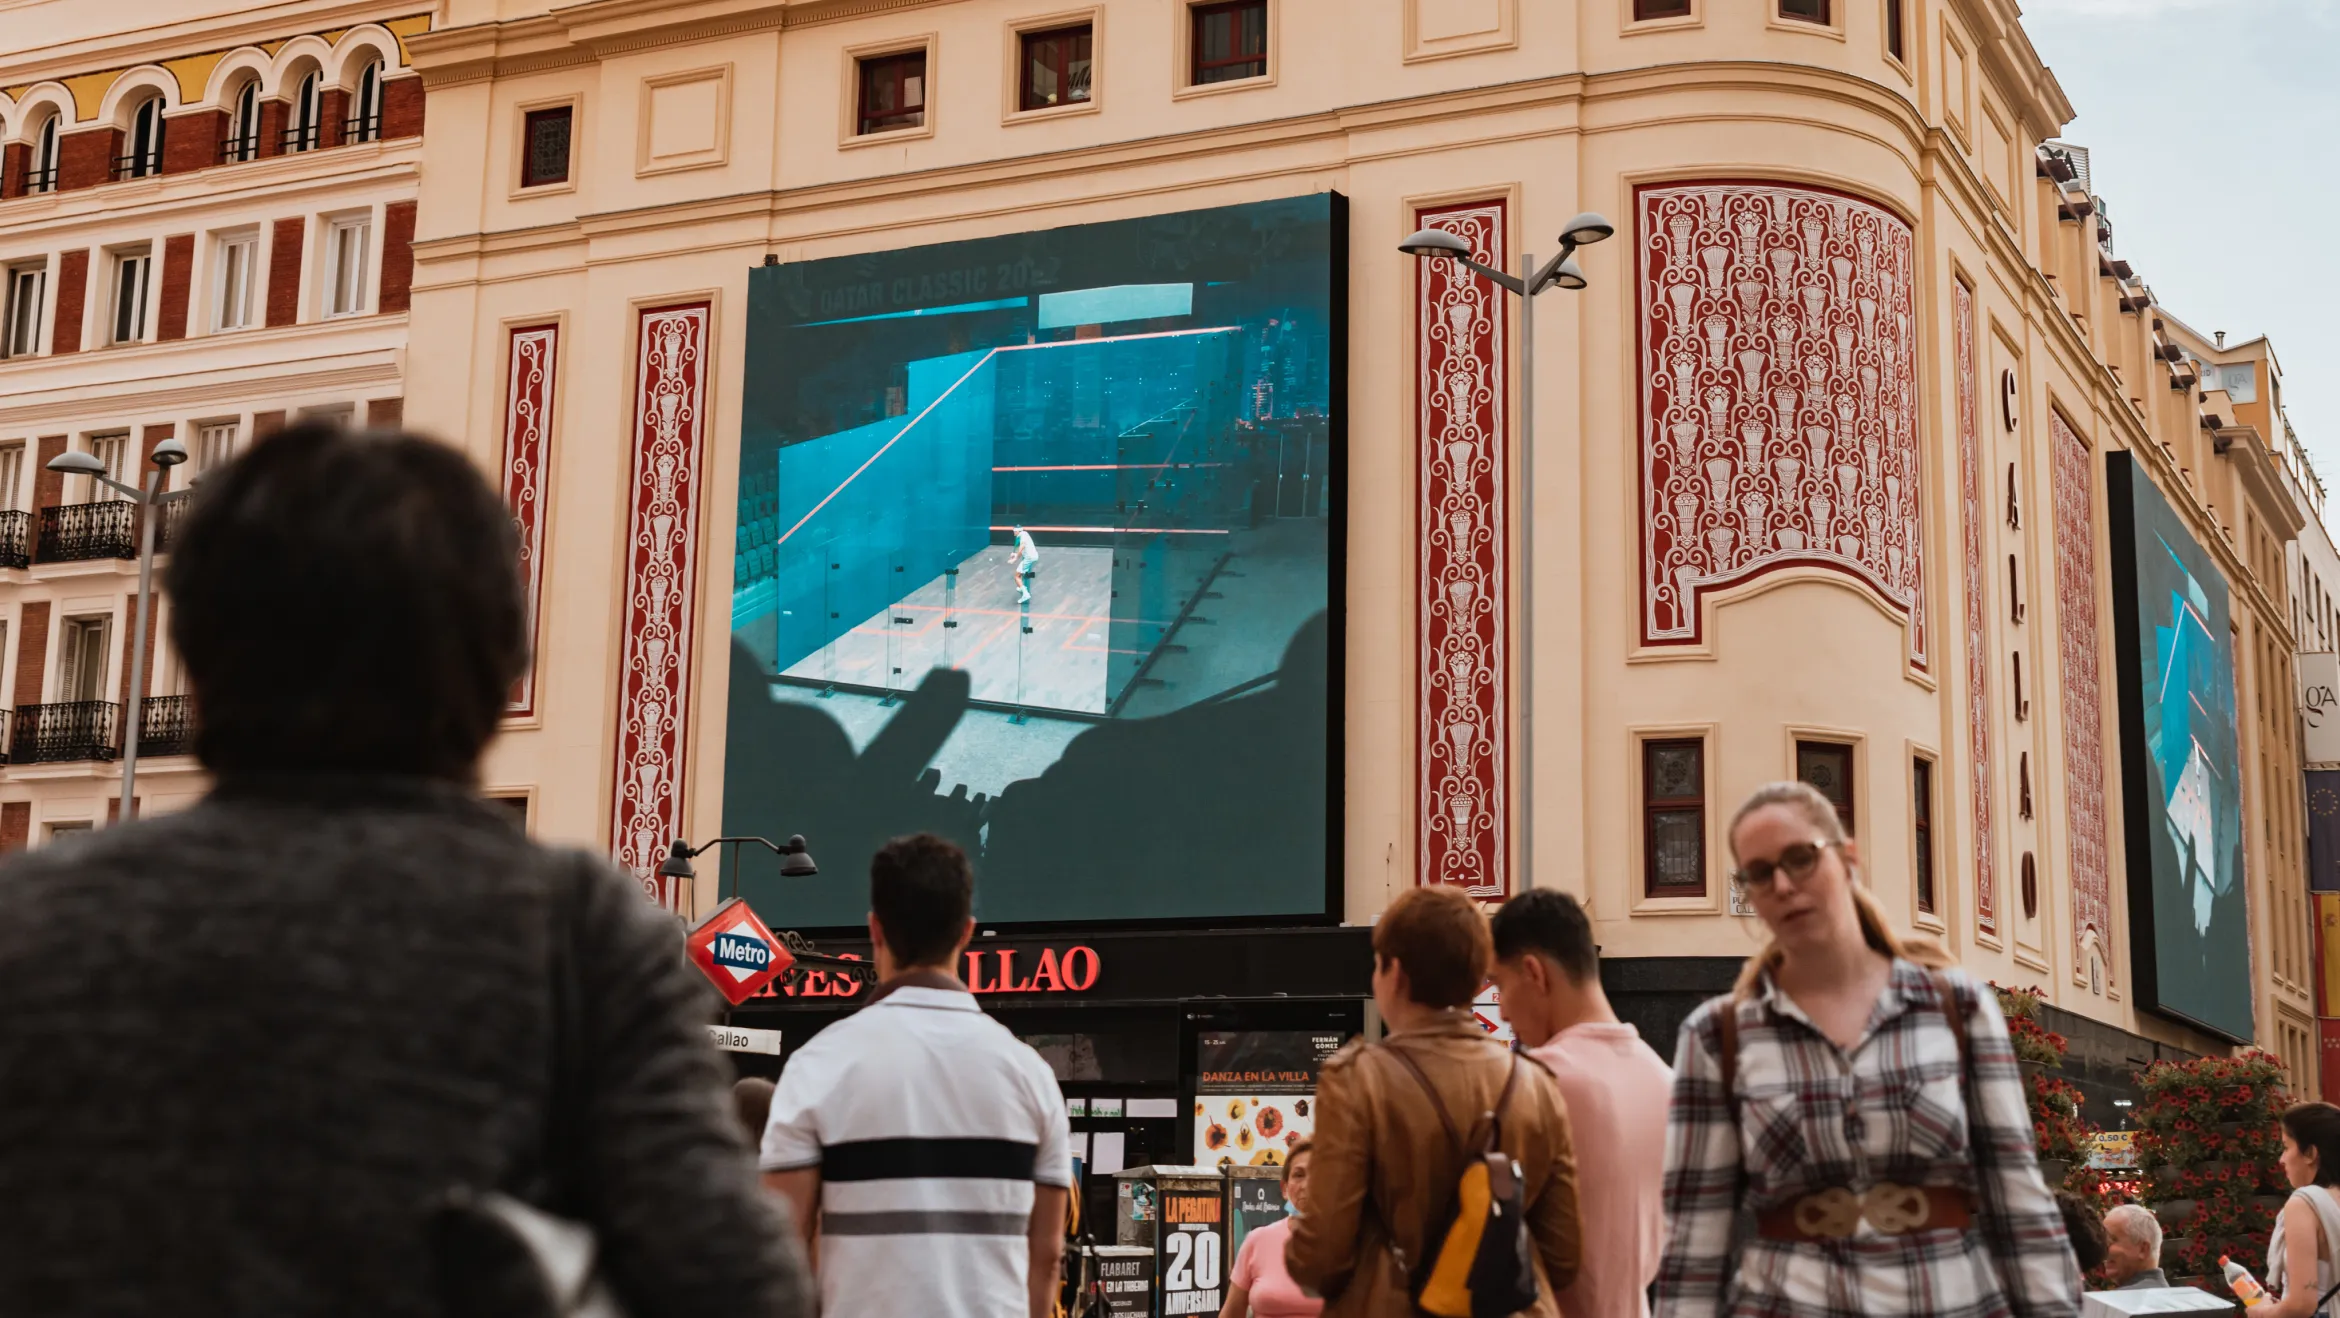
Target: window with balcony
[1673, 817]
[365, 106]
[132, 271]
[308, 112]
[1055, 67]
[346, 243]
[41, 170]
[15, 523]
[27, 285]
[12, 476]
[1804, 11]
[81, 658]
[145, 142]
[1828, 765]
[544, 146]
[237, 260]
[1644, 10]
[243, 134]
[1230, 42]
[892, 94]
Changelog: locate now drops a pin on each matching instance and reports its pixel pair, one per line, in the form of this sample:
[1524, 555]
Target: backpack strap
[1960, 1017]
[1414, 1068]
[1727, 1022]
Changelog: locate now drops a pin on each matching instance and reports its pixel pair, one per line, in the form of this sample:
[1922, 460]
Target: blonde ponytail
[1876, 930]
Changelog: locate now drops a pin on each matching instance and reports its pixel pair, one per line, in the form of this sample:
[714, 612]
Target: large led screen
[1035, 551]
[2180, 763]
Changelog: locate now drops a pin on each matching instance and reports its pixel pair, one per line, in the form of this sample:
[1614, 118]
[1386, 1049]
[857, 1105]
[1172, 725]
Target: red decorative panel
[661, 576]
[528, 407]
[1462, 560]
[1778, 397]
[1978, 636]
[2083, 705]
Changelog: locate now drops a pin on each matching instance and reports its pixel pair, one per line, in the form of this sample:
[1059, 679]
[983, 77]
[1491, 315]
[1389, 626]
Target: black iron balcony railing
[361, 128]
[166, 726]
[66, 732]
[237, 148]
[15, 539]
[166, 534]
[138, 165]
[301, 138]
[39, 181]
[79, 532]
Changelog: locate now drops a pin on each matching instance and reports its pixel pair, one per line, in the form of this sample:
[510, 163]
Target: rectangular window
[1055, 68]
[1804, 11]
[1828, 765]
[1896, 41]
[1230, 41]
[893, 92]
[1921, 789]
[1673, 817]
[345, 266]
[130, 275]
[11, 478]
[1648, 9]
[545, 150]
[81, 658]
[114, 451]
[26, 285]
[239, 258]
[215, 443]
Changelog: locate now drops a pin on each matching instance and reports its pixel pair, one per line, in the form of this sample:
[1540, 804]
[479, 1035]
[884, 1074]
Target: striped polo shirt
[930, 1124]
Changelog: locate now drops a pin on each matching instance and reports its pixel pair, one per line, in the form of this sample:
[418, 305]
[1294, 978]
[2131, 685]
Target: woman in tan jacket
[1385, 1162]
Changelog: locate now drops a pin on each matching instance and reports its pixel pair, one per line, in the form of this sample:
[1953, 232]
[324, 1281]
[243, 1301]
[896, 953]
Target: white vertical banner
[2319, 706]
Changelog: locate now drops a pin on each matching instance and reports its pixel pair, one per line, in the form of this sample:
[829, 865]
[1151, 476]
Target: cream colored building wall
[1554, 107]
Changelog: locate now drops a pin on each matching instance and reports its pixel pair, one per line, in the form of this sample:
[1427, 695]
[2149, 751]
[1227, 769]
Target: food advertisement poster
[1255, 1093]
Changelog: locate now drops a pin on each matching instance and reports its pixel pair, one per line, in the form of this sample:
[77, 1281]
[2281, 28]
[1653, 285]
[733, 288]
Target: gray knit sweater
[242, 1046]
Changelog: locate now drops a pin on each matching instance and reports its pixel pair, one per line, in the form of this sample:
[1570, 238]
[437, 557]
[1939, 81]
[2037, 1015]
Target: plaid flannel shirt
[1810, 1116]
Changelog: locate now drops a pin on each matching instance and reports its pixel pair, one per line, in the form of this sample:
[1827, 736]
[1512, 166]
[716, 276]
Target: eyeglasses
[1796, 861]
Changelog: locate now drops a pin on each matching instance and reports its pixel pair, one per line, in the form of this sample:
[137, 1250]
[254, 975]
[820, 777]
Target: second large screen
[1034, 553]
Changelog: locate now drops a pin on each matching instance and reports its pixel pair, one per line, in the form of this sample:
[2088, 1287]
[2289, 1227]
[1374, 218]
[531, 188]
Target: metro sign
[737, 951]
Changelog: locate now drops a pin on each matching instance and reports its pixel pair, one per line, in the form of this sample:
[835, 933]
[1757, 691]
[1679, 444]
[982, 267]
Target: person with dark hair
[343, 984]
[2085, 1227]
[1548, 981]
[925, 1145]
[751, 1102]
[2303, 1254]
[1397, 1119]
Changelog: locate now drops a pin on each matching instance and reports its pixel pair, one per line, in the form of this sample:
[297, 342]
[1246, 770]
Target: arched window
[144, 158]
[41, 176]
[243, 135]
[365, 118]
[306, 113]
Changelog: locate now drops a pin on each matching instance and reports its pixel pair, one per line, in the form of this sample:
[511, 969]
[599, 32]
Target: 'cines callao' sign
[985, 970]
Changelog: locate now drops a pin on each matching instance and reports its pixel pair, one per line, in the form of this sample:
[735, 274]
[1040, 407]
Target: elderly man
[2133, 1248]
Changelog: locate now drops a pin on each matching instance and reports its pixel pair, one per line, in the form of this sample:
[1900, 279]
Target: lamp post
[1561, 271]
[795, 863]
[150, 500]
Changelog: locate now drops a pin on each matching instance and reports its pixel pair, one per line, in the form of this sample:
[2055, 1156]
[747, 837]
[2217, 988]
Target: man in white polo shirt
[922, 1144]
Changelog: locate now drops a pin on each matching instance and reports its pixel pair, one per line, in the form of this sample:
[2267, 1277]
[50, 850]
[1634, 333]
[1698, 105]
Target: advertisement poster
[1255, 1093]
[1034, 551]
[1125, 1278]
[2180, 768]
[1191, 1252]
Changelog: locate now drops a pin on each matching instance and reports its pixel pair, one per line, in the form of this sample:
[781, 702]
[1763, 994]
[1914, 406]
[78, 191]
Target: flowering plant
[2208, 1138]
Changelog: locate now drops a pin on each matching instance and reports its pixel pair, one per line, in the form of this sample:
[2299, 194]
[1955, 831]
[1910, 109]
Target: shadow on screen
[1215, 809]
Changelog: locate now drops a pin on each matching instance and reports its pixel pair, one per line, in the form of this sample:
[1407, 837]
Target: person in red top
[1259, 1284]
[1548, 973]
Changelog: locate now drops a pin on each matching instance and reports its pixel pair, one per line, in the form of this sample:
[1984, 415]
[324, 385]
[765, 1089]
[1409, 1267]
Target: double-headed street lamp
[150, 500]
[676, 871]
[1561, 271]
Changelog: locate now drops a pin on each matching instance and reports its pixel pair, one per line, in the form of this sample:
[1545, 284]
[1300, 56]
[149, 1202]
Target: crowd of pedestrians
[308, 1046]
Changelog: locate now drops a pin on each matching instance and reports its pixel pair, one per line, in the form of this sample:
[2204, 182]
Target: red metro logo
[737, 952]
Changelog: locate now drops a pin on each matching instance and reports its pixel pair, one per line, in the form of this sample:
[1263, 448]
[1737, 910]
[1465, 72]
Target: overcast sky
[2214, 136]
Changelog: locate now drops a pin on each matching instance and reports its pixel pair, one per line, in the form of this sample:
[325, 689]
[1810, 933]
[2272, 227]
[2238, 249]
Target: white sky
[2214, 135]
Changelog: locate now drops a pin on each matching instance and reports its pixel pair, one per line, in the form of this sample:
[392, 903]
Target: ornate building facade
[1824, 472]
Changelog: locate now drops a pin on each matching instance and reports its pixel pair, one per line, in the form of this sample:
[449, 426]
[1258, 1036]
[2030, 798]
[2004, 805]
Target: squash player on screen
[1027, 556]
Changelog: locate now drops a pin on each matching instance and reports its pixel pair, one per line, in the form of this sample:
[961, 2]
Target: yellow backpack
[1478, 1260]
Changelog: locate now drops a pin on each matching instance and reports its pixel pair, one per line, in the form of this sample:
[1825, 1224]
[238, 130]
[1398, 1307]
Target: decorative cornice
[162, 199]
[120, 51]
[237, 384]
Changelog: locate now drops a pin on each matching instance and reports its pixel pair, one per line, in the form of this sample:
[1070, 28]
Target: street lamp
[167, 454]
[795, 863]
[1561, 271]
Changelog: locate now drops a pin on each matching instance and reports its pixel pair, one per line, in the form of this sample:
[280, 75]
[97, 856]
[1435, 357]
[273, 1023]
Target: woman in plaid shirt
[1848, 1137]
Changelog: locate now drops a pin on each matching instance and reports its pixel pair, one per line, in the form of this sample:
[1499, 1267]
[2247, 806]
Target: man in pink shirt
[1549, 975]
